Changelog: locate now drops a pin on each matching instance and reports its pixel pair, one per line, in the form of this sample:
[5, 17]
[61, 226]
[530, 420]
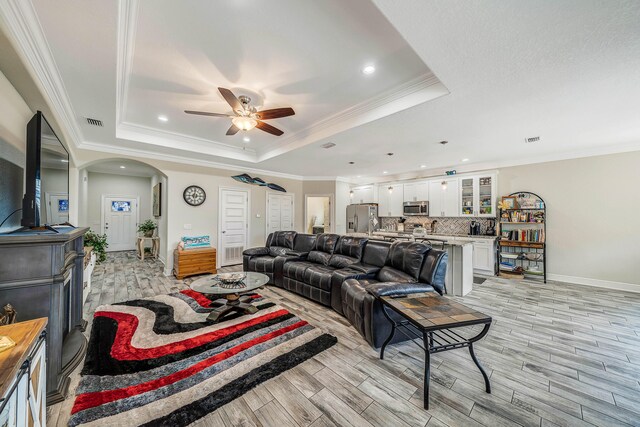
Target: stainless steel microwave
[415, 208]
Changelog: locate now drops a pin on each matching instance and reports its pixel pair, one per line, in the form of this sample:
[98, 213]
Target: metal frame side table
[434, 317]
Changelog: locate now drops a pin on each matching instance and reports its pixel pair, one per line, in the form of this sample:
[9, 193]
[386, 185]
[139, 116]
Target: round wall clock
[194, 195]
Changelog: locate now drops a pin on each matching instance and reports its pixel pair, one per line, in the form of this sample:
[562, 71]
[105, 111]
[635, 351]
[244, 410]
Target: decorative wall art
[157, 200]
[246, 179]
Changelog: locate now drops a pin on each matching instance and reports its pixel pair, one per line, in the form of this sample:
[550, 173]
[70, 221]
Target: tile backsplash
[443, 226]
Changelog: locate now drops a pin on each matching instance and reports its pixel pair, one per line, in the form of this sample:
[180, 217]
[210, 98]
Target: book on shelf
[520, 216]
[531, 236]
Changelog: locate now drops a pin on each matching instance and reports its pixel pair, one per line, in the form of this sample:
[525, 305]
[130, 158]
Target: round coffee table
[210, 285]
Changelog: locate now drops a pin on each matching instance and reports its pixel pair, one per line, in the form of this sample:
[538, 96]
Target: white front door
[234, 225]
[57, 208]
[120, 222]
[279, 212]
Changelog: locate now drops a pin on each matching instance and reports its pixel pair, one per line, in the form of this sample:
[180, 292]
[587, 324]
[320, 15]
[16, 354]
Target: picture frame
[510, 202]
[157, 200]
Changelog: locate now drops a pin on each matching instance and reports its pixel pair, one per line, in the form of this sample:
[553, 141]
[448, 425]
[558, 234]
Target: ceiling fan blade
[233, 130]
[231, 99]
[275, 113]
[204, 113]
[268, 128]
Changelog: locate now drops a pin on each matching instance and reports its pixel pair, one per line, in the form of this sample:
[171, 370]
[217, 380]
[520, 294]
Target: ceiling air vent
[532, 139]
[94, 122]
[328, 145]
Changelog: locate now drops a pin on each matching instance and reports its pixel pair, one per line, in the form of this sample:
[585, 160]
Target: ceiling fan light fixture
[244, 123]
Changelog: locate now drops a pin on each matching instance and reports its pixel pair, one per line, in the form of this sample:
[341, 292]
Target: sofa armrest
[393, 289]
[365, 268]
[256, 252]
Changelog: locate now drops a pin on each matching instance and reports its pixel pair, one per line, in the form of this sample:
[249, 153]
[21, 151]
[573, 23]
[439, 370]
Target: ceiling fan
[246, 116]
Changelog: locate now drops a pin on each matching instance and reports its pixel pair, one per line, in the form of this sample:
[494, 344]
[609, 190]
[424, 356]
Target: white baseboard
[608, 284]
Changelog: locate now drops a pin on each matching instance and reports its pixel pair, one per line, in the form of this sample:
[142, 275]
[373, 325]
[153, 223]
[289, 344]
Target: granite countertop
[436, 236]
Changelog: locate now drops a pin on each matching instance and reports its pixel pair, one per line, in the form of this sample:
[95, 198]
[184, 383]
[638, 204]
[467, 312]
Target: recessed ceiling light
[465, 160]
[246, 139]
[122, 167]
[389, 154]
[163, 118]
[423, 166]
[385, 172]
[358, 176]
[352, 163]
[444, 142]
[64, 160]
[369, 69]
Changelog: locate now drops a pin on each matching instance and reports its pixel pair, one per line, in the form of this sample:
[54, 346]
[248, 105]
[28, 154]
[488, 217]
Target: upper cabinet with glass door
[477, 196]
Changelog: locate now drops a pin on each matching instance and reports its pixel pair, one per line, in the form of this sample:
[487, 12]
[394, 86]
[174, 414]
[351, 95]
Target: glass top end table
[231, 292]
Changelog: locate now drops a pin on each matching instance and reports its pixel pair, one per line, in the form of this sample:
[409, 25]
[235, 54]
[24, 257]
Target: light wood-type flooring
[557, 354]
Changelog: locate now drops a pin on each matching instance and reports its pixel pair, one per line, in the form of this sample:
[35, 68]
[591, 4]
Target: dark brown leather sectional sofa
[349, 273]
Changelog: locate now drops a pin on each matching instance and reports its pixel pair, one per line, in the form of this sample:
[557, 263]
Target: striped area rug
[159, 361]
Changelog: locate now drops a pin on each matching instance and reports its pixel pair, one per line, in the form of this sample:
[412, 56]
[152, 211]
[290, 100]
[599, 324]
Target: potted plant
[147, 228]
[99, 244]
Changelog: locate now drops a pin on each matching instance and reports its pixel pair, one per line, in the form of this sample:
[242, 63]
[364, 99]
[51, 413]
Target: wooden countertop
[25, 334]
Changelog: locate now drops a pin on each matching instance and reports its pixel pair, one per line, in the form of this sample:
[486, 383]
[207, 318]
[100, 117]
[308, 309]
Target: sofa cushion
[319, 276]
[323, 249]
[434, 270]
[348, 251]
[375, 253]
[304, 242]
[262, 264]
[277, 250]
[406, 257]
[390, 274]
[284, 239]
[296, 269]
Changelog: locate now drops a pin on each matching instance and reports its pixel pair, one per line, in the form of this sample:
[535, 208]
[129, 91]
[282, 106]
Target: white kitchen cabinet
[484, 257]
[390, 202]
[365, 194]
[477, 196]
[416, 191]
[443, 197]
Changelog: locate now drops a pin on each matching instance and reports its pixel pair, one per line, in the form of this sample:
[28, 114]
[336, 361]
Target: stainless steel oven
[415, 208]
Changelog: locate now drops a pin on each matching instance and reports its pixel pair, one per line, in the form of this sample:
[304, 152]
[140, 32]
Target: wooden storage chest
[187, 262]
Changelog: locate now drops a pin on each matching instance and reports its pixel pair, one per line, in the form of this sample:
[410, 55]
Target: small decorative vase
[148, 233]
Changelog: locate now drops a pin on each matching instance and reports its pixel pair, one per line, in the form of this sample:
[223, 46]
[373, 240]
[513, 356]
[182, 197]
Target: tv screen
[46, 199]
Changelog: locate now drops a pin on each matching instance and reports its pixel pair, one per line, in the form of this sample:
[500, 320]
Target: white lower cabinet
[484, 257]
[24, 402]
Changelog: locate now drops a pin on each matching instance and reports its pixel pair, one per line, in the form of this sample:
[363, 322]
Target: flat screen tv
[46, 198]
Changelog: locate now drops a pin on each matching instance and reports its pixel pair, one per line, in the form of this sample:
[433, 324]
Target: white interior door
[234, 225]
[279, 212]
[120, 222]
[57, 208]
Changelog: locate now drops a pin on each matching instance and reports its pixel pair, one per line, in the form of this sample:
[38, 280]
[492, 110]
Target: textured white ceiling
[568, 71]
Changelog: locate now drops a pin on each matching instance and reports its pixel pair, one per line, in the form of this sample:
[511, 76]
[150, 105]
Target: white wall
[203, 219]
[593, 205]
[103, 183]
[341, 202]
[164, 213]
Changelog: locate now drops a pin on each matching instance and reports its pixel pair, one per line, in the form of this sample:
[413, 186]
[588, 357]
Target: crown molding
[148, 135]
[23, 25]
[414, 92]
[143, 156]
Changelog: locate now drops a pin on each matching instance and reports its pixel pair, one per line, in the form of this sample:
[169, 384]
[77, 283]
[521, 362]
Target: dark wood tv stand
[41, 276]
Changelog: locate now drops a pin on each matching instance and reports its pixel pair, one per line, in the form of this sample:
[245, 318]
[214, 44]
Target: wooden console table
[22, 370]
[155, 246]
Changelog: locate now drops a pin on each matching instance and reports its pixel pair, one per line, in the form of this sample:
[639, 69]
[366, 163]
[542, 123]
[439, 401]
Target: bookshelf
[522, 233]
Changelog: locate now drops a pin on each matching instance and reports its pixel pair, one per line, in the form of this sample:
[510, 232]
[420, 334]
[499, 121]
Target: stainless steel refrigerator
[362, 218]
